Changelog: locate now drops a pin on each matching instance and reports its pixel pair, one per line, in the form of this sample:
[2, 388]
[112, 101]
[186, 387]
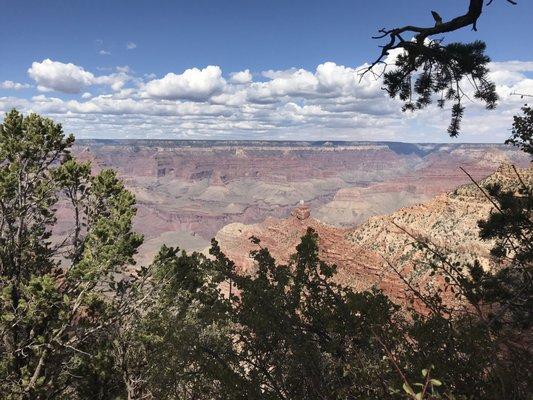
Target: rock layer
[197, 187]
[366, 254]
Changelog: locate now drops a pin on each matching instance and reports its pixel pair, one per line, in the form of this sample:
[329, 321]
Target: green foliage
[522, 133]
[303, 336]
[498, 298]
[433, 70]
[423, 390]
[184, 338]
[54, 310]
[290, 332]
[510, 287]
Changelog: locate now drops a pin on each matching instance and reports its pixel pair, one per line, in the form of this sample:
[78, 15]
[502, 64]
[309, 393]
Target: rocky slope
[449, 221]
[365, 253]
[281, 236]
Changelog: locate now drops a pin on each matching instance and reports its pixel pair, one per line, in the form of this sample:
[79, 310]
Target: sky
[241, 69]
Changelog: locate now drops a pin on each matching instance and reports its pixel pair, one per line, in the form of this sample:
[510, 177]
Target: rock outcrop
[356, 266]
[302, 212]
[365, 254]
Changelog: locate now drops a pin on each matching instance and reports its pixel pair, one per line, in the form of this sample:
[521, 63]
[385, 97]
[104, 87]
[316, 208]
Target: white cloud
[125, 69]
[296, 82]
[332, 101]
[241, 77]
[131, 46]
[55, 75]
[193, 84]
[509, 73]
[10, 85]
[232, 98]
[512, 66]
[70, 78]
[104, 53]
[116, 81]
[329, 80]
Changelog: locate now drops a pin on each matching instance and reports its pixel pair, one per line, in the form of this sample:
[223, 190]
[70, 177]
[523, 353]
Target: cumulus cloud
[193, 84]
[338, 80]
[512, 66]
[70, 78]
[241, 77]
[10, 85]
[509, 73]
[329, 80]
[116, 81]
[54, 75]
[330, 101]
[131, 46]
[295, 82]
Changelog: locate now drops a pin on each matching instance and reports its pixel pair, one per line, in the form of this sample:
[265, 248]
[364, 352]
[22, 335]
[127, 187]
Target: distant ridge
[420, 149]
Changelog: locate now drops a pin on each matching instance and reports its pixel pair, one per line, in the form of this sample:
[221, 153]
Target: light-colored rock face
[198, 187]
[365, 253]
[302, 212]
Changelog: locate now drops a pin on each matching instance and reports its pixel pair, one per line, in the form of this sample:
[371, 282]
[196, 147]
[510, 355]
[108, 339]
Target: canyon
[187, 191]
[384, 252]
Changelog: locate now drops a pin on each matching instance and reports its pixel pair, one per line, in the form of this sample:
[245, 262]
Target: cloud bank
[330, 102]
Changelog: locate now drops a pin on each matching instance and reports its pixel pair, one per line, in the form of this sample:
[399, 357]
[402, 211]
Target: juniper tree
[59, 294]
[522, 132]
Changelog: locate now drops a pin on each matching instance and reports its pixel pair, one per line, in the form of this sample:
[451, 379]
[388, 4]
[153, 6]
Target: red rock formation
[365, 254]
[301, 212]
[357, 267]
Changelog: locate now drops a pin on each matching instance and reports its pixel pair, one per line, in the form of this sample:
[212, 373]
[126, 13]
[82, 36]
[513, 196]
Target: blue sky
[118, 54]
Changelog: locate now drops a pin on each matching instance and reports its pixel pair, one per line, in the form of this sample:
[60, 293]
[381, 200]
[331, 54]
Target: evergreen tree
[58, 294]
[426, 69]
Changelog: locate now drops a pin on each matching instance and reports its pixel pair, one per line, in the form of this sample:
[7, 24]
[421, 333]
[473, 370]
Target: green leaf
[408, 389]
[435, 382]
[8, 317]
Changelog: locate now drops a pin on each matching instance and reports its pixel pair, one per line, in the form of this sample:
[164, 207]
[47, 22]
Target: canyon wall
[377, 252]
[188, 190]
